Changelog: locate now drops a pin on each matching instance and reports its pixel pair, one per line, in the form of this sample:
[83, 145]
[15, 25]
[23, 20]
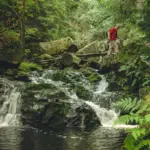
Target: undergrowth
[138, 114]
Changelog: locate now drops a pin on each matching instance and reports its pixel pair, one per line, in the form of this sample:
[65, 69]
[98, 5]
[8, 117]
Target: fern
[139, 113]
[128, 105]
[131, 118]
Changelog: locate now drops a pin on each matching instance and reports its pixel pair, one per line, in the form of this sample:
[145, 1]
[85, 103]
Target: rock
[6, 66]
[73, 48]
[44, 104]
[45, 57]
[94, 47]
[69, 59]
[56, 47]
[55, 99]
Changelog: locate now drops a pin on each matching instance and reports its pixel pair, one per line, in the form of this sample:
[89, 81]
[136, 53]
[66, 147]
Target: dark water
[15, 138]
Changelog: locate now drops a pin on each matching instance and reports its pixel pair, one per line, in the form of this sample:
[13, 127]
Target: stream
[19, 130]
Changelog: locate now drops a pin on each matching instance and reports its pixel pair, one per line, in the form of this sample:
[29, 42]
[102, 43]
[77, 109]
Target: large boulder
[44, 104]
[56, 98]
[57, 46]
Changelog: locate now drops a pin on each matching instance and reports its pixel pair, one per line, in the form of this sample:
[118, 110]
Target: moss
[45, 56]
[11, 72]
[91, 75]
[57, 46]
[94, 77]
[28, 66]
[83, 93]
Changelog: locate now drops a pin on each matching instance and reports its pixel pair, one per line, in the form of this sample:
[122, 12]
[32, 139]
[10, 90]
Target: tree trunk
[22, 26]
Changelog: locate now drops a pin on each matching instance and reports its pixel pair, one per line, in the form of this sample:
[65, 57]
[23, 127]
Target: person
[112, 40]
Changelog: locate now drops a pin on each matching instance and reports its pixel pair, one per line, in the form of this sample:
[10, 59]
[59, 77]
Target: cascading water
[99, 100]
[10, 104]
[106, 117]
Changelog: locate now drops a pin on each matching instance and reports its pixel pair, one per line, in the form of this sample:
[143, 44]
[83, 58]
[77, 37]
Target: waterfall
[99, 101]
[105, 116]
[11, 99]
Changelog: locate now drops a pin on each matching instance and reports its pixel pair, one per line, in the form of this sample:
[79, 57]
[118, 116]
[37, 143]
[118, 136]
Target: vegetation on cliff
[31, 31]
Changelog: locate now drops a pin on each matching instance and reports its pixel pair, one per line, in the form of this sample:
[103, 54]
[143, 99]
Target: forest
[44, 43]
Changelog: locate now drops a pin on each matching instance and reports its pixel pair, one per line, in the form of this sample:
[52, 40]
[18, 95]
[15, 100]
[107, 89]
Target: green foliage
[138, 138]
[136, 70]
[128, 105]
[27, 66]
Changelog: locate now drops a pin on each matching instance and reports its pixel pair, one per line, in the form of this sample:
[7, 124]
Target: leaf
[134, 82]
[143, 143]
[30, 2]
[147, 118]
[138, 132]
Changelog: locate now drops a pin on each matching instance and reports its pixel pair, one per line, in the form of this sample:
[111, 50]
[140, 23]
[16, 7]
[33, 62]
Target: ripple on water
[15, 138]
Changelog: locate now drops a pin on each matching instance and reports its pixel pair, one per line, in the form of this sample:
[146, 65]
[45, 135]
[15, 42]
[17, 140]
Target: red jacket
[113, 34]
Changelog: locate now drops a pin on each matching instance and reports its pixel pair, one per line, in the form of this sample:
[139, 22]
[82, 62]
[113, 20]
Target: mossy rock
[69, 59]
[56, 47]
[91, 74]
[45, 57]
[28, 66]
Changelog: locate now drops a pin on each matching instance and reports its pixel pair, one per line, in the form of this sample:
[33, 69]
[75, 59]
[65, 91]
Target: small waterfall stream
[77, 93]
[99, 102]
[10, 99]
[106, 117]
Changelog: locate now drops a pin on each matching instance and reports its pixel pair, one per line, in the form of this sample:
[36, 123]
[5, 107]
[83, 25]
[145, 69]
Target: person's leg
[116, 47]
[110, 48]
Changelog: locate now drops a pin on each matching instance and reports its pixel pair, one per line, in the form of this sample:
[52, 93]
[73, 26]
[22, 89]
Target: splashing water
[106, 117]
[100, 96]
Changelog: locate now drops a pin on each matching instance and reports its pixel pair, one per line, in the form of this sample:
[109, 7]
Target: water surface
[16, 138]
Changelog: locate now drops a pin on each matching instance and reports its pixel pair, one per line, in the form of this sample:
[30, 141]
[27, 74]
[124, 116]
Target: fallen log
[78, 55]
[91, 54]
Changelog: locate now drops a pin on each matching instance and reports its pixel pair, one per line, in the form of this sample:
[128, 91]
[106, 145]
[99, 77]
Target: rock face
[45, 105]
[54, 99]
[56, 47]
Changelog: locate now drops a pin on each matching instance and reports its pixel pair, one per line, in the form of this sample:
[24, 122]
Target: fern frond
[128, 104]
[147, 118]
[131, 118]
[129, 143]
[144, 108]
[143, 143]
[138, 132]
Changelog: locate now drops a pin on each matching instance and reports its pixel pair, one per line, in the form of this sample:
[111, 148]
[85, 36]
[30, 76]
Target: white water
[106, 117]
[9, 111]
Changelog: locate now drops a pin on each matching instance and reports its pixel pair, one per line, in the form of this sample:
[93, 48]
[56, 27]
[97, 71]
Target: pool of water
[27, 138]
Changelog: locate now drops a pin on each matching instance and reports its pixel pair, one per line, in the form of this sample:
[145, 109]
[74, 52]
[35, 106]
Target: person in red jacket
[112, 38]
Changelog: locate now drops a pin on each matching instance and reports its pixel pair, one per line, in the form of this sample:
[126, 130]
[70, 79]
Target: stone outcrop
[57, 46]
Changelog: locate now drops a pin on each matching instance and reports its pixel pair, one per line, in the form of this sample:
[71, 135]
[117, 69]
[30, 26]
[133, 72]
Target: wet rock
[54, 100]
[46, 105]
[69, 59]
